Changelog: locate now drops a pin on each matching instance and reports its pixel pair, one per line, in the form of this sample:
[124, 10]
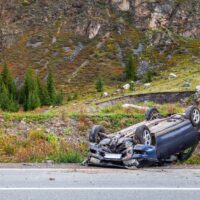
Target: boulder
[172, 75]
[93, 30]
[105, 94]
[34, 42]
[123, 5]
[186, 84]
[139, 50]
[198, 88]
[147, 84]
[54, 40]
[118, 91]
[127, 86]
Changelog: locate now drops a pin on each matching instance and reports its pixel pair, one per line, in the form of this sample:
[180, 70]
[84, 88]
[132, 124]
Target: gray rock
[138, 82]
[75, 52]
[186, 84]
[169, 57]
[183, 51]
[55, 54]
[54, 40]
[49, 161]
[172, 75]
[34, 42]
[147, 84]
[105, 94]
[118, 91]
[139, 50]
[38, 44]
[127, 86]
[198, 88]
[143, 68]
[66, 49]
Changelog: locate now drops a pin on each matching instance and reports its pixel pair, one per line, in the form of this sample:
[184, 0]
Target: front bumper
[141, 155]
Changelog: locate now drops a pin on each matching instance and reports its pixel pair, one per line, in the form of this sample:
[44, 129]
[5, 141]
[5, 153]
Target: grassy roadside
[38, 146]
[66, 143]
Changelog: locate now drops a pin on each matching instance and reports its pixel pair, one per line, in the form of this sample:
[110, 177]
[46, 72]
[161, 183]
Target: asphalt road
[99, 184]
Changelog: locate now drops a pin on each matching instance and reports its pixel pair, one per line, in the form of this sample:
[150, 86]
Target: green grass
[102, 116]
[28, 116]
[69, 157]
[194, 160]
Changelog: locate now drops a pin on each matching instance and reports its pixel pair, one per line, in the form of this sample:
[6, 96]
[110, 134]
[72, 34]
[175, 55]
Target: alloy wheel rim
[196, 116]
[147, 137]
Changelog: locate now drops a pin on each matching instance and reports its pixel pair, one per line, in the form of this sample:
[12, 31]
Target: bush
[131, 69]
[99, 85]
[71, 97]
[37, 135]
[148, 76]
[53, 139]
[67, 157]
[51, 88]
[60, 98]
[132, 86]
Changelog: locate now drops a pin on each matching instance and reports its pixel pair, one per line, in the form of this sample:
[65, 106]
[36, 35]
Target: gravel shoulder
[79, 167]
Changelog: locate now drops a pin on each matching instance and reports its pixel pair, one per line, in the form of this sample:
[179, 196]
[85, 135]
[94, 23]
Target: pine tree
[33, 100]
[43, 93]
[9, 82]
[131, 73]
[4, 98]
[13, 105]
[8, 91]
[30, 92]
[148, 76]
[51, 87]
[60, 98]
[99, 85]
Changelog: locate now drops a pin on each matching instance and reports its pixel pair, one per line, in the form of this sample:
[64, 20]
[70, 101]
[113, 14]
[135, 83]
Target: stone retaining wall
[162, 97]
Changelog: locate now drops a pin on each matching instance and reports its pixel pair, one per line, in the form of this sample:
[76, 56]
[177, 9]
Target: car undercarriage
[155, 141]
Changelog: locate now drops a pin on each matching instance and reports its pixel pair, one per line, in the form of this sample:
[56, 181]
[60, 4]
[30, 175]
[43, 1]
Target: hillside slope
[84, 39]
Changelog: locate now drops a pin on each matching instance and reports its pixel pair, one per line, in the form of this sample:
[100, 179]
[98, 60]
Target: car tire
[144, 136]
[151, 114]
[95, 133]
[186, 154]
[193, 114]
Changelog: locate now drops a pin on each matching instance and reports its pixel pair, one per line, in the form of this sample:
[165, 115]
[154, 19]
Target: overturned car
[156, 141]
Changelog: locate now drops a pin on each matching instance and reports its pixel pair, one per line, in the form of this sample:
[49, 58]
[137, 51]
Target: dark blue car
[157, 140]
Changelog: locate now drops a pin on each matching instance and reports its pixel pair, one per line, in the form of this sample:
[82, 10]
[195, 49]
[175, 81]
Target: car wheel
[95, 133]
[151, 114]
[186, 154]
[193, 114]
[144, 136]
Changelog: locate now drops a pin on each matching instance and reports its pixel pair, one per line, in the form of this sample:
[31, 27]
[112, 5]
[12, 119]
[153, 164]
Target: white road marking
[38, 169]
[97, 189]
[94, 169]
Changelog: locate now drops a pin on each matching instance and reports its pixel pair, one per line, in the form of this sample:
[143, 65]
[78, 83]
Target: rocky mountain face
[83, 39]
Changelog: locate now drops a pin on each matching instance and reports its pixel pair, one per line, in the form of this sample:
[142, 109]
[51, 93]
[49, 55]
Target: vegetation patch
[28, 117]
[194, 160]
[39, 146]
[33, 94]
